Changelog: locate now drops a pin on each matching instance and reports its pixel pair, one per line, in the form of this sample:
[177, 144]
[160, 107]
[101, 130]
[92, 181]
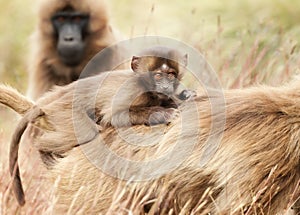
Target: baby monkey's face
[161, 72]
[165, 78]
[160, 69]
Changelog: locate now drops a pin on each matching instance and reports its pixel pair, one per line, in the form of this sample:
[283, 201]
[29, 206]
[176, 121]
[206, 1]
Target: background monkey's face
[71, 28]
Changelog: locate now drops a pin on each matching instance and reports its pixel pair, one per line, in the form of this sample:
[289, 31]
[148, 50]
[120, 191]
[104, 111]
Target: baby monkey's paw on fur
[187, 94]
[163, 116]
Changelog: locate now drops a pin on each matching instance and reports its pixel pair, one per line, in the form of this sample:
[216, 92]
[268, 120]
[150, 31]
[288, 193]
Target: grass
[247, 42]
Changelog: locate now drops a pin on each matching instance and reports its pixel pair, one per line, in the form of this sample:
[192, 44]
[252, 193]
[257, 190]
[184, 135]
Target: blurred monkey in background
[69, 33]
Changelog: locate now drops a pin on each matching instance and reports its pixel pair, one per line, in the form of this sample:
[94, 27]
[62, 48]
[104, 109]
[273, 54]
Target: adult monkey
[68, 35]
[158, 69]
[255, 169]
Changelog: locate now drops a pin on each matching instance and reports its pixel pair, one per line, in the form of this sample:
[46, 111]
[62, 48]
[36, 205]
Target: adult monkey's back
[254, 170]
[68, 35]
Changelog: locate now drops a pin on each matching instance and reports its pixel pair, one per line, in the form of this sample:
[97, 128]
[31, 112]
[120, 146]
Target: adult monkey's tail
[31, 115]
[13, 99]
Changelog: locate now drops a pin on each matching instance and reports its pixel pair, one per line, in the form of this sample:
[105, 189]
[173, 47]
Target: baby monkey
[147, 94]
[158, 71]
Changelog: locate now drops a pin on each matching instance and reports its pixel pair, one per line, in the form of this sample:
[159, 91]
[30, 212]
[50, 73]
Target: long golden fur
[55, 113]
[11, 98]
[254, 170]
[46, 69]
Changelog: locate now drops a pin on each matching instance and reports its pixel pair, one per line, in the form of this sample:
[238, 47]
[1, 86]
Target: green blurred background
[245, 41]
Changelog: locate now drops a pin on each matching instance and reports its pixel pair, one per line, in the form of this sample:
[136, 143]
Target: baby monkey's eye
[157, 76]
[171, 75]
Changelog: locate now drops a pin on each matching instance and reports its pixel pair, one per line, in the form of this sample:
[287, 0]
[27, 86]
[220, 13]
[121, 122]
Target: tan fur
[96, 92]
[255, 169]
[89, 96]
[14, 149]
[45, 67]
[15, 100]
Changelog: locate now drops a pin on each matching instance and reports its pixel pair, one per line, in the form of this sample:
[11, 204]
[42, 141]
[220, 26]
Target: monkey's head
[160, 69]
[70, 30]
[69, 26]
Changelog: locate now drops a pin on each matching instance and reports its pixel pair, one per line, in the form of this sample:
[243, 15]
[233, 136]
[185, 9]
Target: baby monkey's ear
[135, 63]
